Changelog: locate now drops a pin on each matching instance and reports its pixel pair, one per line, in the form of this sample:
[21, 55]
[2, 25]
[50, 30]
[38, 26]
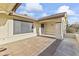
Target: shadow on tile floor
[51, 49]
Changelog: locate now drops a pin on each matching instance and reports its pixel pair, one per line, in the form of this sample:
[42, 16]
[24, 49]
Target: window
[20, 27]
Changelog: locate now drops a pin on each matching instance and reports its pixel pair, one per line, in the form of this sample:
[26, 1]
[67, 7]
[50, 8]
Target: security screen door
[21, 27]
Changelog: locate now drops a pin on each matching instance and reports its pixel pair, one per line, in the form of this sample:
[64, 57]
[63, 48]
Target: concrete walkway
[66, 47]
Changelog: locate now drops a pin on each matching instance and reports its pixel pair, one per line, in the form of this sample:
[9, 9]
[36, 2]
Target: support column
[61, 30]
[36, 29]
[40, 29]
[10, 27]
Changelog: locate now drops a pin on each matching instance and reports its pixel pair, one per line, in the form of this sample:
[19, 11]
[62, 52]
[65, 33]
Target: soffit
[7, 6]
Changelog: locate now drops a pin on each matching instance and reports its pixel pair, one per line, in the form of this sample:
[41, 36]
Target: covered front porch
[51, 28]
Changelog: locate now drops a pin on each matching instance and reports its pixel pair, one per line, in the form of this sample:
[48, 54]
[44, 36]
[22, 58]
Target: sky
[39, 10]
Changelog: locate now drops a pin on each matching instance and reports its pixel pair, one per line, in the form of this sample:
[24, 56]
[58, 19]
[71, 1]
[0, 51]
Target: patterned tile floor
[36, 45]
[26, 47]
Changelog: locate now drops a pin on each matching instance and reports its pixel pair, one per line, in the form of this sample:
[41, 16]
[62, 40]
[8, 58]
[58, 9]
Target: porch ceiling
[8, 7]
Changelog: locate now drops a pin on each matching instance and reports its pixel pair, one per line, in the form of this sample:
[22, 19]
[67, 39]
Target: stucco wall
[59, 29]
[54, 27]
[50, 28]
[3, 26]
[6, 31]
[64, 23]
[16, 38]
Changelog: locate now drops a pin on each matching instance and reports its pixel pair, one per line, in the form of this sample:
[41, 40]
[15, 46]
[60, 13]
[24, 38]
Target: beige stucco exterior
[6, 30]
[55, 27]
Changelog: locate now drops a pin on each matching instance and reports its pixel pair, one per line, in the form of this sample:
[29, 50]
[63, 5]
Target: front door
[42, 28]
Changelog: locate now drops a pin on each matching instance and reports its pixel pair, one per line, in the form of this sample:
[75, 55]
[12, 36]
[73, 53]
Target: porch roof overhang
[15, 16]
[23, 17]
[53, 17]
[57, 20]
[9, 9]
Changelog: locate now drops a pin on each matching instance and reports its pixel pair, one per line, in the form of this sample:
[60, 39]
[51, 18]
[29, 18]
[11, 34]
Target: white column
[39, 29]
[35, 28]
[61, 30]
[10, 27]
